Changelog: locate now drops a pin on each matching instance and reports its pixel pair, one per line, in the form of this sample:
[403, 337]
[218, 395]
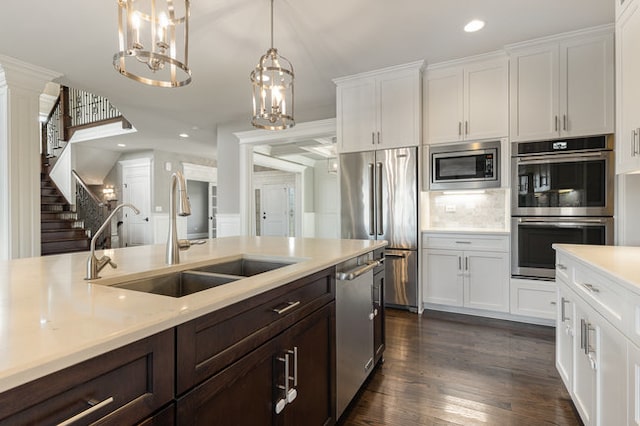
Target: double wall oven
[562, 192]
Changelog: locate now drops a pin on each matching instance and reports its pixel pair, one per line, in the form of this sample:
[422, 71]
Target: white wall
[326, 201]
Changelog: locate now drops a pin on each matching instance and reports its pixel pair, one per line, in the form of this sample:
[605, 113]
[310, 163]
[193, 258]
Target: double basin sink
[178, 284]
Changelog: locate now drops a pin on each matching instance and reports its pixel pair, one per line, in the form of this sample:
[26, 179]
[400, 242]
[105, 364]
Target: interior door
[275, 210]
[137, 191]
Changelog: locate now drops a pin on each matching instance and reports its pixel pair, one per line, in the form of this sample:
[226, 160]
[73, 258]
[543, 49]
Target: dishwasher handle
[356, 272]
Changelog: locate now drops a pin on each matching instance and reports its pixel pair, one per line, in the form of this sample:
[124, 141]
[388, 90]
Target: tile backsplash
[469, 210]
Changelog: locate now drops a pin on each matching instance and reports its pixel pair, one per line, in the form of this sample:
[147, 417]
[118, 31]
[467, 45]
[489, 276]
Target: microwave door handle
[372, 223]
[379, 200]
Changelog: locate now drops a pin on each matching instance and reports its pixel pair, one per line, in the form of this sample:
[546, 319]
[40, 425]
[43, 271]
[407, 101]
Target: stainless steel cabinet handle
[292, 393]
[372, 200]
[561, 267]
[459, 128]
[563, 302]
[460, 263]
[587, 343]
[282, 402]
[379, 200]
[466, 127]
[373, 138]
[378, 138]
[564, 122]
[582, 332]
[466, 263]
[290, 305]
[555, 119]
[95, 406]
[591, 288]
[463, 242]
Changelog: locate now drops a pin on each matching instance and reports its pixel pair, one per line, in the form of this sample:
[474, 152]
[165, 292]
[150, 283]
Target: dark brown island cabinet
[267, 360]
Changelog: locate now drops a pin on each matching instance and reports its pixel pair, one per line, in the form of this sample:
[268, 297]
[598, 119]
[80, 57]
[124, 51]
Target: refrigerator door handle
[372, 223]
[379, 199]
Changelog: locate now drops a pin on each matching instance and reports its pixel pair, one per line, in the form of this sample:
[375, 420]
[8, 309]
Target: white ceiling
[323, 40]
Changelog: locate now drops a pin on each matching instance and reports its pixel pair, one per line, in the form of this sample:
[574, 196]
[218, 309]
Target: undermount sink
[191, 281]
[245, 267]
[177, 284]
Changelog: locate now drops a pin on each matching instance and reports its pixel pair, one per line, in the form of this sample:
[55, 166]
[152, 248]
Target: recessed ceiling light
[474, 26]
[121, 145]
[183, 135]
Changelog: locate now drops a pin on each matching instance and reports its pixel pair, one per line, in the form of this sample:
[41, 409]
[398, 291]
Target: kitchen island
[53, 319]
[598, 330]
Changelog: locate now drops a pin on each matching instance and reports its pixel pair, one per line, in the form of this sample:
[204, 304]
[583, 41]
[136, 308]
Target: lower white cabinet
[598, 363]
[466, 271]
[565, 334]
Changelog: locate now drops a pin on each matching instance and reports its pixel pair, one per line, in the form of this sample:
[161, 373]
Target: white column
[20, 87]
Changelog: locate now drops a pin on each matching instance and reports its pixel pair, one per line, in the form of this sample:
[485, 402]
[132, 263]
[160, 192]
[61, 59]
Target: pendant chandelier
[272, 82]
[154, 39]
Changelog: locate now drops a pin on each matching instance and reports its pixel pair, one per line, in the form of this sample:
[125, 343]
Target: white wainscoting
[160, 224]
[228, 225]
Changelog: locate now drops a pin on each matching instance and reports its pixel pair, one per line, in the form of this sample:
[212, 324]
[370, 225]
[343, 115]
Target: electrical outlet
[450, 208]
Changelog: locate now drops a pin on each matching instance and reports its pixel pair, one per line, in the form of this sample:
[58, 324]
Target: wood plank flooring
[450, 369]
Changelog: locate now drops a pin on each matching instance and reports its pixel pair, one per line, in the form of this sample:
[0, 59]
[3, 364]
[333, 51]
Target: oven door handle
[553, 221]
[562, 158]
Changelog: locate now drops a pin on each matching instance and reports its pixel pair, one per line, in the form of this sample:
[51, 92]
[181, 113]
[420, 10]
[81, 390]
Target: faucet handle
[113, 265]
[184, 244]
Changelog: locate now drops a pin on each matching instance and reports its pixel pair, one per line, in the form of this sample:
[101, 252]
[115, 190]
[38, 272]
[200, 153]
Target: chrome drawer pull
[561, 267]
[95, 406]
[463, 242]
[290, 305]
[591, 288]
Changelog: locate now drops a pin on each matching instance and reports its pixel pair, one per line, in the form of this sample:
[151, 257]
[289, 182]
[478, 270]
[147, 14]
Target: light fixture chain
[272, 24]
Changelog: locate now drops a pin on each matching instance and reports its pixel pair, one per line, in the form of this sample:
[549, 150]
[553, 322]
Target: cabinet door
[245, 393]
[356, 112]
[442, 277]
[584, 377]
[486, 284]
[564, 335]
[628, 90]
[445, 105]
[399, 110]
[486, 88]
[587, 87]
[611, 376]
[310, 345]
[633, 386]
[534, 84]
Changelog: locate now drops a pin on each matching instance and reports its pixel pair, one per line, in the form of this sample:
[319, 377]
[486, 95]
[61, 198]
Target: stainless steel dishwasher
[354, 326]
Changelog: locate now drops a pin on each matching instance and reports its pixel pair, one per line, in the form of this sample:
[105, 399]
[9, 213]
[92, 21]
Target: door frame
[207, 174]
[126, 166]
[249, 139]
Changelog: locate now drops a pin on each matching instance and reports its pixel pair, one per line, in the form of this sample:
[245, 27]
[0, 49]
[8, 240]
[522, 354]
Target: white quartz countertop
[51, 318]
[620, 262]
[470, 231]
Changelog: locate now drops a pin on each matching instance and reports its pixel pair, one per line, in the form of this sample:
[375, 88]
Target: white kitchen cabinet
[633, 385]
[475, 275]
[562, 86]
[596, 307]
[468, 100]
[380, 109]
[628, 89]
[533, 298]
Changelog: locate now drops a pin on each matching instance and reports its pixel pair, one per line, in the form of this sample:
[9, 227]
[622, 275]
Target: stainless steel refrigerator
[379, 201]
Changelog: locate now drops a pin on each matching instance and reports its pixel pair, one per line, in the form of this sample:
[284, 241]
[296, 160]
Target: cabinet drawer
[533, 299]
[606, 297]
[466, 242]
[564, 268]
[129, 383]
[209, 343]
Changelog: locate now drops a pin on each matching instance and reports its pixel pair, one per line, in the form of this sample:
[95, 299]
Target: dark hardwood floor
[443, 369]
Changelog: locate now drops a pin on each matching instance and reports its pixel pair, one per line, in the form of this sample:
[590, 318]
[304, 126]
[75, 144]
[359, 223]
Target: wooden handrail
[86, 188]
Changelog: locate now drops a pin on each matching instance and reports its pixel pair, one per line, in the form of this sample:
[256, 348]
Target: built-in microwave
[465, 166]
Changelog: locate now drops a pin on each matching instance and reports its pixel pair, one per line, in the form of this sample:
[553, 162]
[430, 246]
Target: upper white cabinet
[468, 100]
[628, 89]
[562, 86]
[380, 109]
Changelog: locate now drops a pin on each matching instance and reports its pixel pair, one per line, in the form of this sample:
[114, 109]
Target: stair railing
[92, 211]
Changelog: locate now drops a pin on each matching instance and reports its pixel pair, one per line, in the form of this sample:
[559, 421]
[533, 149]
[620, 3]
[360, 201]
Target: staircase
[61, 232]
